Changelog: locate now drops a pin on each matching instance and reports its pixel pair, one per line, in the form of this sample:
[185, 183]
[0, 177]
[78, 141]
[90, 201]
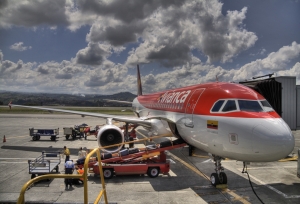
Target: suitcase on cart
[123, 152]
[133, 150]
[106, 156]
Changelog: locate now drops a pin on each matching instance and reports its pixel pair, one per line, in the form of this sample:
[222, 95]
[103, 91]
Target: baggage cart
[44, 164]
[36, 134]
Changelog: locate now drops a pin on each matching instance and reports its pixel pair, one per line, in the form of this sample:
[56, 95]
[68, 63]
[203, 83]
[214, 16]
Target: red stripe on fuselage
[176, 100]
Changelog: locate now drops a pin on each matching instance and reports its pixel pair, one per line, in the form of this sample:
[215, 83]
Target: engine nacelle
[110, 135]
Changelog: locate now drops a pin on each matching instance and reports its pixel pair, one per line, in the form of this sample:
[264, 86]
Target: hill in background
[46, 99]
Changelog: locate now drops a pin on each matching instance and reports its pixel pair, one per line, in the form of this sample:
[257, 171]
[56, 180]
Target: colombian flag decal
[212, 124]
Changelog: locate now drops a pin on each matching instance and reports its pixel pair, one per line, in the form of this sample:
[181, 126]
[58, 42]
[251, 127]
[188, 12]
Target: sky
[94, 46]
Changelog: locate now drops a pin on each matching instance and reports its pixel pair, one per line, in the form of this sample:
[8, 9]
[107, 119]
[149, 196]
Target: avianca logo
[174, 97]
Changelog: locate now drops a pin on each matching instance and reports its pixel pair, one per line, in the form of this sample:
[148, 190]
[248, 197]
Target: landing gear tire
[108, 173]
[219, 177]
[38, 137]
[153, 172]
[214, 179]
[53, 138]
[34, 138]
[223, 178]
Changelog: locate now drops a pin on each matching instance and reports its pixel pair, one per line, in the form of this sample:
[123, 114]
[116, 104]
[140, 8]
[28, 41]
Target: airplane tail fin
[139, 83]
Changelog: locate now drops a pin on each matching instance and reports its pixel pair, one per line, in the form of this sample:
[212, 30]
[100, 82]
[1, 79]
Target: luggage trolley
[44, 164]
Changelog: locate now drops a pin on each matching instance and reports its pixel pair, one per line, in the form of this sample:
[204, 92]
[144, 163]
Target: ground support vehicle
[70, 132]
[80, 130]
[37, 133]
[44, 164]
[150, 160]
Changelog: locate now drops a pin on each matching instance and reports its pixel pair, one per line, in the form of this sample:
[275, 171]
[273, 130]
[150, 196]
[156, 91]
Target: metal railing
[21, 199]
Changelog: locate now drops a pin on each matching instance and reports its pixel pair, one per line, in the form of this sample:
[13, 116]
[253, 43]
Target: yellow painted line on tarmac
[236, 196]
[295, 158]
[200, 156]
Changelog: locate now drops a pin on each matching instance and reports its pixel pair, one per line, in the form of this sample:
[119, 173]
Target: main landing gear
[219, 177]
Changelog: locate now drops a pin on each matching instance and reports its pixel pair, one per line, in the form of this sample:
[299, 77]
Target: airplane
[227, 120]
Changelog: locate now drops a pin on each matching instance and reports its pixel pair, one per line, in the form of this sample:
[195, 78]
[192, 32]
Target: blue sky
[94, 46]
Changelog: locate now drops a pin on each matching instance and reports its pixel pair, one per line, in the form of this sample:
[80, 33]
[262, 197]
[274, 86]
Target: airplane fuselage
[224, 119]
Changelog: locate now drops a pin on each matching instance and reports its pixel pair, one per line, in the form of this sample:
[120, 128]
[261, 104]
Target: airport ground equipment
[44, 164]
[82, 130]
[150, 160]
[36, 134]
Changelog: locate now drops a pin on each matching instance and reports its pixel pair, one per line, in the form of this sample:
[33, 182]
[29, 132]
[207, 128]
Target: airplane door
[189, 110]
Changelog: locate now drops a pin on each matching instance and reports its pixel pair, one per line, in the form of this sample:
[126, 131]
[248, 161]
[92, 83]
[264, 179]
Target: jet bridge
[280, 93]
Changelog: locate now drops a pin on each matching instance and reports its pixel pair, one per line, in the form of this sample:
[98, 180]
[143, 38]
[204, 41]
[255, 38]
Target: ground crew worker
[82, 153]
[69, 168]
[81, 156]
[67, 153]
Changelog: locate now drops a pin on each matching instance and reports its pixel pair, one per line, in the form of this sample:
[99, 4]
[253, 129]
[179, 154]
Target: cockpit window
[217, 106]
[229, 106]
[266, 106]
[252, 106]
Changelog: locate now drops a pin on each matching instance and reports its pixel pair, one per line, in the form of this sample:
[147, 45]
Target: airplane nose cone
[272, 140]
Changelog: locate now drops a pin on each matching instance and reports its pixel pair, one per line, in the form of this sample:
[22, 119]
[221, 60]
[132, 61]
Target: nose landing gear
[219, 177]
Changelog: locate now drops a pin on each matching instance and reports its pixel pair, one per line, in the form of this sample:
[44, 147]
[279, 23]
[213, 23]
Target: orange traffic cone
[4, 139]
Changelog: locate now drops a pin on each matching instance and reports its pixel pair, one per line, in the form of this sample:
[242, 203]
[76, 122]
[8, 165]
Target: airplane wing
[116, 101]
[139, 121]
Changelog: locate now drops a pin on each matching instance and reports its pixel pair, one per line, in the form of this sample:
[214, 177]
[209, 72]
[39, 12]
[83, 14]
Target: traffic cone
[4, 139]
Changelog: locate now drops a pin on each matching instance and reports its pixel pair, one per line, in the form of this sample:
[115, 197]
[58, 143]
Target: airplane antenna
[217, 78]
[139, 83]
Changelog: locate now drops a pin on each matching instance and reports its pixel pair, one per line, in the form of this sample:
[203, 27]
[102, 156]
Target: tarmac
[187, 182]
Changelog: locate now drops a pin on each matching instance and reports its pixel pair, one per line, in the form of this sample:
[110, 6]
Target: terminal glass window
[229, 106]
[252, 106]
[217, 106]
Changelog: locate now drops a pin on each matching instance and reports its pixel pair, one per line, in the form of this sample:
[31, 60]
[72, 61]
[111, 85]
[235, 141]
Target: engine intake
[110, 135]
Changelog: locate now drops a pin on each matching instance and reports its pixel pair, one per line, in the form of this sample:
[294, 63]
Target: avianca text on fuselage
[174, 97]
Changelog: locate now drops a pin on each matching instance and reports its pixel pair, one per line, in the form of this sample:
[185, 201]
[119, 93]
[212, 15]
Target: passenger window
[229, 106]
[252, 106]
[217, 106]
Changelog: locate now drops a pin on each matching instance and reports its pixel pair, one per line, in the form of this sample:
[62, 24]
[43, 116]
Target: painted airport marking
[274, 189]
[236, 196]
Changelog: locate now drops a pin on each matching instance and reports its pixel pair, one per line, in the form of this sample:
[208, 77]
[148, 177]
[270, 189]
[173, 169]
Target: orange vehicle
[150, 160]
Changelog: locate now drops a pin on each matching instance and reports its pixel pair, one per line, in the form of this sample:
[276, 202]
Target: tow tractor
[82, 130]
[150, 160]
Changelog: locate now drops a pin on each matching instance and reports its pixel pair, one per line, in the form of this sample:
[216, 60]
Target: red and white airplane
[227, 120]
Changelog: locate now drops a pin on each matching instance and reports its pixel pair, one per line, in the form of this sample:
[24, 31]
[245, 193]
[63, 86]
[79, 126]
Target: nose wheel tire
[223, 178]
[214, 179]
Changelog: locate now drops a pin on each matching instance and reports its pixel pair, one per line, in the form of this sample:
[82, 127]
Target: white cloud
[19, 47]
[274, 62]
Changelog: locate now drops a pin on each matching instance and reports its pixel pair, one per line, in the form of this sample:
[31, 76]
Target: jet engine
[110, 135]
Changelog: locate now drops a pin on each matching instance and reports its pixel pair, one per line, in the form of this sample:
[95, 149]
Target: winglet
[9, 105]
[139, 83]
